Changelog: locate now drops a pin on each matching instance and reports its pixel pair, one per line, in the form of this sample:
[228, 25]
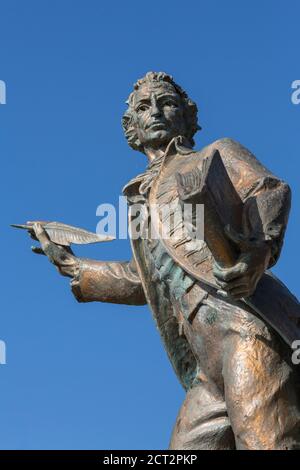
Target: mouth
[156, 126]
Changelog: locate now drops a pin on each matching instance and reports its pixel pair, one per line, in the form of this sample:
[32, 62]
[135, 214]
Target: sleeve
[266, 198]
[265, 214]
[101, 281]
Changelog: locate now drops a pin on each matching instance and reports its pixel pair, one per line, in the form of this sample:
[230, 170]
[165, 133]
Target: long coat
[187, 263]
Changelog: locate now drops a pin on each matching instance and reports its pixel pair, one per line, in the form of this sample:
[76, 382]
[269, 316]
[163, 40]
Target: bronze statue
[226, 322]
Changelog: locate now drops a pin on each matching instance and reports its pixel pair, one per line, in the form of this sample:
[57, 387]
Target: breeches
[247, 392]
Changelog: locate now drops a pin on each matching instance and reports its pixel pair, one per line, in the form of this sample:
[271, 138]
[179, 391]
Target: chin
[159, 137]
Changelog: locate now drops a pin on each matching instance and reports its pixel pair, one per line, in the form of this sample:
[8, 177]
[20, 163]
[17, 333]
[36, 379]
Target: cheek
[174, 116]
[141, 120]
[139, 125]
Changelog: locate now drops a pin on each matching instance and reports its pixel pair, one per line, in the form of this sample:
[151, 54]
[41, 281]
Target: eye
[171, 104]
[142, 108]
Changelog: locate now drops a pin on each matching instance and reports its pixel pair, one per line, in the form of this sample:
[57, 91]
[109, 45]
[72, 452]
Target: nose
[155, 111]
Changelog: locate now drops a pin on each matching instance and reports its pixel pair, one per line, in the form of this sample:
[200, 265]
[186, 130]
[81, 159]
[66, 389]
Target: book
[223, 207]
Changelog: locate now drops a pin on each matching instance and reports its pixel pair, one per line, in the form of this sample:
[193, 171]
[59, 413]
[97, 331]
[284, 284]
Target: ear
[130, 131]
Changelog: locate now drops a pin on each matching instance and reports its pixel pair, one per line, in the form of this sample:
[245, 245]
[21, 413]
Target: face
[158, 114]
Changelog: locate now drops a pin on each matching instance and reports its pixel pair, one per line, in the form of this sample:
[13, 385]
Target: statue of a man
[243, 391]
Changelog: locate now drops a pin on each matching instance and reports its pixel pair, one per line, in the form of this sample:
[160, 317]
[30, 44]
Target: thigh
[202, 423]
[262, 392]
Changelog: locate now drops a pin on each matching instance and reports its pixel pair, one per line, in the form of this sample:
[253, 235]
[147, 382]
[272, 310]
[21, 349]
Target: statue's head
[158, 110]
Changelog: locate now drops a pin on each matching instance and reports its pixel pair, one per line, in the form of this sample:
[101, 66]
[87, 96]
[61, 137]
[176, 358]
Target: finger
[38, 229]
[228, 286]
[239, 292]
[54, 252]
[38, 250]
[41, 235]
[58, 255]
[221, 284]
[223, 293]
[230, 273]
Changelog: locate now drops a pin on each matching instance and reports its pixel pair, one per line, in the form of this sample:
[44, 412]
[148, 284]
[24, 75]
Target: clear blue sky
[95, 375]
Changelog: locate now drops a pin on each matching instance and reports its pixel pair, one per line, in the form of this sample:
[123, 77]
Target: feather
[65, 235]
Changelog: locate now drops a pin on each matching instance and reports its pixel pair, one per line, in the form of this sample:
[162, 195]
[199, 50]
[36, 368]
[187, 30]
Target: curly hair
[190, 110]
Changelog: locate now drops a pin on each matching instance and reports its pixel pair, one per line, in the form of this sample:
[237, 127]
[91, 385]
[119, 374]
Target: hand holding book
[239, 261]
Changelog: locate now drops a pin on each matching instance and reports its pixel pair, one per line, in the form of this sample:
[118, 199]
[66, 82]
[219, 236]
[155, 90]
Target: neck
[153, 153]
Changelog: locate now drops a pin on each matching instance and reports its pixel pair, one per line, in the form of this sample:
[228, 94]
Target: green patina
[211, 315]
